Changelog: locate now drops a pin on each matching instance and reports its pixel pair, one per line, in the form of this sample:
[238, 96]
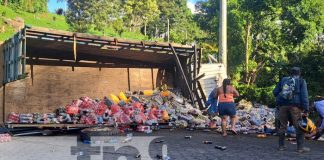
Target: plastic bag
[13, 117]
[123, 97]
[124, 119]
[114, 98]
[140, 118]
[115, 109]
[101, 108]
[72, 109]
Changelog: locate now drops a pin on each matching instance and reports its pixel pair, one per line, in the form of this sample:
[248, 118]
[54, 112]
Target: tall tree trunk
[145, 29]
[247, 51]
[5, 3]
[156, 32]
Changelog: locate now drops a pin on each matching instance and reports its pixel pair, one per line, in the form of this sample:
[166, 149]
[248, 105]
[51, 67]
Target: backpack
[288, 88]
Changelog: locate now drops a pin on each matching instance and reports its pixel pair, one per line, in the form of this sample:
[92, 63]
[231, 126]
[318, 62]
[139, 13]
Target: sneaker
[303, 150]
[282, 148]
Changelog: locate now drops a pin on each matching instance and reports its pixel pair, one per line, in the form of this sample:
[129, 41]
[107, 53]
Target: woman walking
[226, 106]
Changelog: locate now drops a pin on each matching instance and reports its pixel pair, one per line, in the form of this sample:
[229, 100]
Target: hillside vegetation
[50, 20]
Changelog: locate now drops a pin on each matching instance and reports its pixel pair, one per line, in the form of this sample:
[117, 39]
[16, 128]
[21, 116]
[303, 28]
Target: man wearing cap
[292, 98]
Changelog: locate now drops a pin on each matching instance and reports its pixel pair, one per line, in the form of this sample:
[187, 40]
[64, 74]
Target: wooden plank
[65, 126]
[89, 36]
[195, 68]
[198, 100]
[182, 72]
[83, 64]
[198, 78]
[152, 78]
[203, 96]
[24, 52]
[4, 103]
[199, 59]
[128, 79]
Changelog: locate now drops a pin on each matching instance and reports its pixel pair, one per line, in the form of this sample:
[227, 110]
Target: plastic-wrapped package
[64, 118]
[13, 118]
[140, 118]
[89, 118]
[124, 119]
[115, 109]
[72, 109]
[26, 118]
[101, 108]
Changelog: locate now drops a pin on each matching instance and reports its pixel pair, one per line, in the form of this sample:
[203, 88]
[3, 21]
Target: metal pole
[168, 30]
[223, 33]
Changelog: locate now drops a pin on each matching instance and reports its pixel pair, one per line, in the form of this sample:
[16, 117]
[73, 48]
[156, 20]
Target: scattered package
[147, 108]
[5, 137]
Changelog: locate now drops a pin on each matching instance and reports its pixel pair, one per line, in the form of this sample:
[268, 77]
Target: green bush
[261, 95]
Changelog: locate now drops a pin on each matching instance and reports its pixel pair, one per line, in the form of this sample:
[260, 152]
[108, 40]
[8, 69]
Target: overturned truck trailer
[45, 68]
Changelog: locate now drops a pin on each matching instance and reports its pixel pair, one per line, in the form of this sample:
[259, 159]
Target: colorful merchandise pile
[144, 107]
[147, 108]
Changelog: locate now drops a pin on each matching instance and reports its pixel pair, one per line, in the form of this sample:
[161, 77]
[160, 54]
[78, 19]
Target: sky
[53, 5]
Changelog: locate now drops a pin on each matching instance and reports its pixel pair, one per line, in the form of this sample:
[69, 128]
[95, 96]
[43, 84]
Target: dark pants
[295, 114]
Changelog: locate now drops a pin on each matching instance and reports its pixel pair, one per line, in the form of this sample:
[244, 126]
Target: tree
[80, 14]
[139, 12]
[265, 37]
[59, 11]
[183, 29]
[105, 12]
[118, 26]
[32, 6]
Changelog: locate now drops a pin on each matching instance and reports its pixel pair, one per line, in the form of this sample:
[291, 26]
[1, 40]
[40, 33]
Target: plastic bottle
[129, 138]
[80, 153]
[222, 148]
[138, 156]
[207, 142]
[165, 157]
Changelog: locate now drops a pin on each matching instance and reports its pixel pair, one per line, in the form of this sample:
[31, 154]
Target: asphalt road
[241, 147]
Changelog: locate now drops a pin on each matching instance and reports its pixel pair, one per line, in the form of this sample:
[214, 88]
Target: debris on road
[222, 148]
[5, 138]
[147, 109]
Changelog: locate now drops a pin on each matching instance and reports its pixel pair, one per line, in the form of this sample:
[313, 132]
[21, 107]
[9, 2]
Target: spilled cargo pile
[143, 107]
[146, 108]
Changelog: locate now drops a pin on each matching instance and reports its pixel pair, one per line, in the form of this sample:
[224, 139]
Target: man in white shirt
[319, 107]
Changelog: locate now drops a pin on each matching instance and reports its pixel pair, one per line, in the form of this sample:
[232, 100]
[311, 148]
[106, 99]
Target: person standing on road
[226, 105]
[292, 98]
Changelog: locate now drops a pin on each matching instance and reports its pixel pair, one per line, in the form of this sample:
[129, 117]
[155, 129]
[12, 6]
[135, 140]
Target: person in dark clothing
[292, 98]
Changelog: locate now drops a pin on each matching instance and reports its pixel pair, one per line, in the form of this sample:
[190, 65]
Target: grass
[42, 20]
[54, 21]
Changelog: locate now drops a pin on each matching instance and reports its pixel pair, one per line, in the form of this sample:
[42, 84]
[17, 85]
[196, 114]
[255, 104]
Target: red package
[140, 118]
[129, 110]
[89, 119]
[124, 119]
[114, 109]
[72, 109]
[101, 108]
[13, 117]
[88, 105]
[77, 102]
[138, 105]
[151, 116]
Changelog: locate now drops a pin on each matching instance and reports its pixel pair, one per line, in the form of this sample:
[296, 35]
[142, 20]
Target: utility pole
[168, 30]
[223, 33]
